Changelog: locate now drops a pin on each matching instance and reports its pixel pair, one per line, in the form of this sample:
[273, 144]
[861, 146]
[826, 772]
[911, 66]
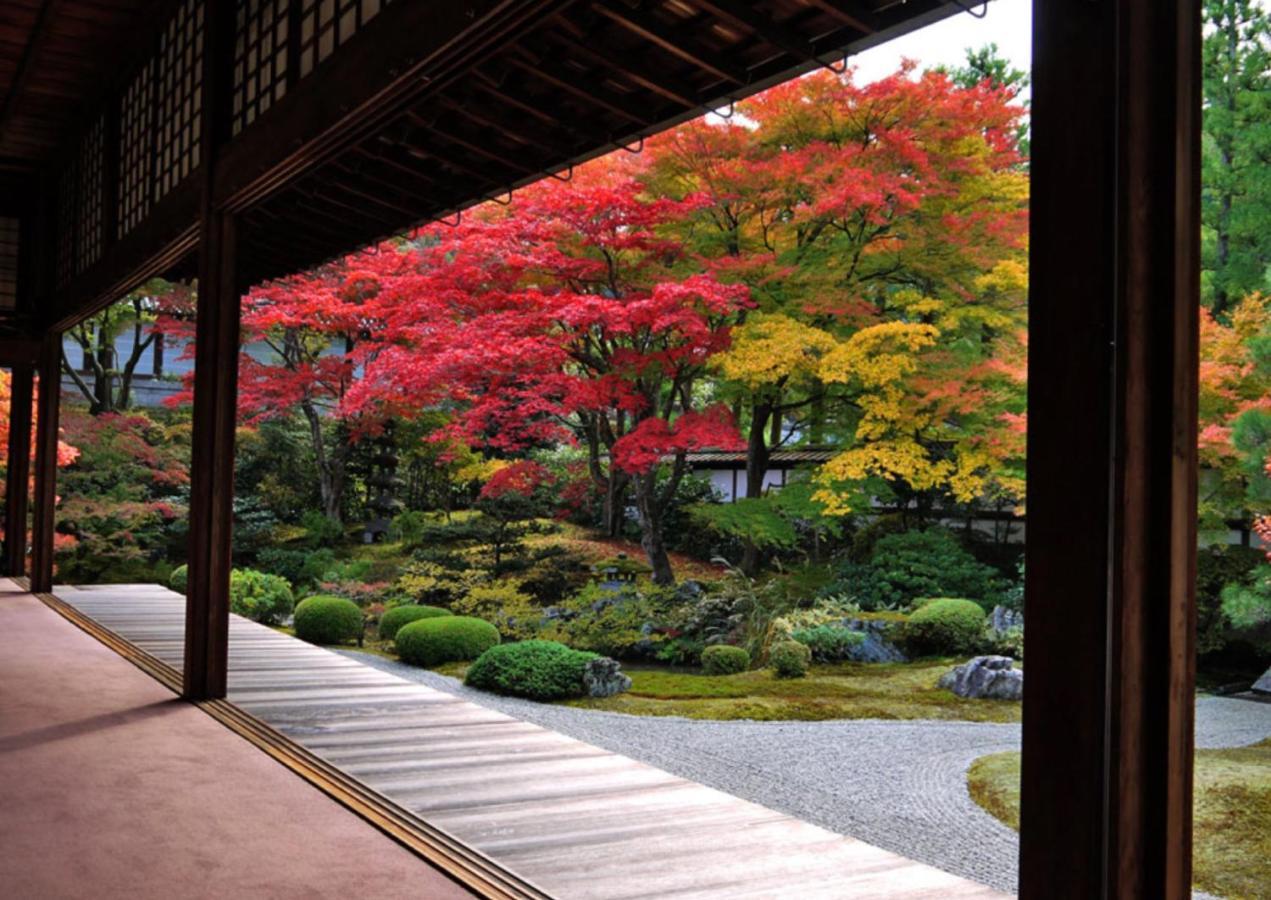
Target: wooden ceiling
[582, 80]
[410, 111]
[56, 56]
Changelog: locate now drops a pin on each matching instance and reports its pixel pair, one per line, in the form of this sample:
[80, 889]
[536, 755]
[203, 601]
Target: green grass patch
[1231, 855]
[842, 691]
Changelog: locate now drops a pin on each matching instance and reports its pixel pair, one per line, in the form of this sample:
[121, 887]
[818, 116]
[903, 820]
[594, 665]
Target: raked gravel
[898, 785]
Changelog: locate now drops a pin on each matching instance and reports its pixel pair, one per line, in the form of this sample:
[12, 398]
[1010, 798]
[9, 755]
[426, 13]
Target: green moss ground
[1232, 849]
[847, 691]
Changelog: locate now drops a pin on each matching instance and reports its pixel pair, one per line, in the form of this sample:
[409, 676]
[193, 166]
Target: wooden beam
[216, 347]
[39, 35]
[673, 41]
[406, 52]
[1109, 698]
[44, 498]
[17, 476]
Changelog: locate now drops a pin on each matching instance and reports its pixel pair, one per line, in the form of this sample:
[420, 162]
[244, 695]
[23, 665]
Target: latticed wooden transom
[8, 262]
[261, 42]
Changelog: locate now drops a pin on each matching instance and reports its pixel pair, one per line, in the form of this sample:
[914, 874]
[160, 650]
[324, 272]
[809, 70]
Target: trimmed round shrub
[537, 670]
[789, 659]
[431, 642]
[944, 627]
[179, 579]
[262, 598]
[723, 659]
[328, 620]
[393, 620]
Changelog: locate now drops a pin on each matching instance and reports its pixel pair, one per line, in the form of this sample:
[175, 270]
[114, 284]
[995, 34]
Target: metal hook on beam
[568, 177]
[966, 8]
[506, 202]
[840, 69]
[455, 223]
[639, 147]
[732, 108]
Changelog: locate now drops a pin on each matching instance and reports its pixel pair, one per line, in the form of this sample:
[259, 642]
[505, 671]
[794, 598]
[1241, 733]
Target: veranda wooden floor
[576, 820]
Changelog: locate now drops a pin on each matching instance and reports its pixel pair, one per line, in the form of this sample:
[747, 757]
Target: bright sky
[1008, 24]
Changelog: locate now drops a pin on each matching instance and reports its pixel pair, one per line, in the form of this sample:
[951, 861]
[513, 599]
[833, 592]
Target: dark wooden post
[1108, 703]
[216, 346]
[44, 499]
[17, 476]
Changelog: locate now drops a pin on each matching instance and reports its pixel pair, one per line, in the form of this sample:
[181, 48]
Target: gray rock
[1263, 684]
[985, 678]
[878, 646]
[603, 677]
[1002, 619]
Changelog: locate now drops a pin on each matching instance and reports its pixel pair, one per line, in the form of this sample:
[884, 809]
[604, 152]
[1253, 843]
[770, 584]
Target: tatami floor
[574, 819]
[111, 787]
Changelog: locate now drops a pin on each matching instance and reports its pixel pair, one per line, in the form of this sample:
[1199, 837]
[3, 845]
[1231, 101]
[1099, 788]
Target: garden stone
[1002, 620]
[689, 590]
[1263, 684]
[603, 677]
[877, 646]
[985, 678]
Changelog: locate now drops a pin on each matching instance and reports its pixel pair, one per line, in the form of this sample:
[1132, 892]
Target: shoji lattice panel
[178, 96]
[260, 57]
[326, 24]
[136, 149]
[67, 188]
[8, 263]
[89, 196]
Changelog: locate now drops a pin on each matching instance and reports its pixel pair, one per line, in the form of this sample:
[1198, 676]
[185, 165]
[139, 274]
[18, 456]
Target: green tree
[1236, 177]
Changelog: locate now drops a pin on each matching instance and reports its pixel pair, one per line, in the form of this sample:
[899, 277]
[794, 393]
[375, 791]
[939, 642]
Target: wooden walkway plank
[580, 821]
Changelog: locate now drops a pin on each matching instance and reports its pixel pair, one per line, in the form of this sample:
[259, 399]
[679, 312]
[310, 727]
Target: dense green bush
[260, 597]
[538, 670]
[179, 579]
[789, 659]
[829, 643]
[1218, 568]
[904, 567]
[944, 626]
[328, 620]
[393, 620]
[297, 566]
[321, 531]
[723, 659]
[431, 642]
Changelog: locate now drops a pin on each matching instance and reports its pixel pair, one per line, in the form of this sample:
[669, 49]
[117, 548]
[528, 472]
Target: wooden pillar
[216, 346]
[1108, 702]
[44, 497]
[18, 473]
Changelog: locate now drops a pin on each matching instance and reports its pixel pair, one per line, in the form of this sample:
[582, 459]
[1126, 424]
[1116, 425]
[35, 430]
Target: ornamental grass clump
[829, 643]
[945, 626]
[723, 659]
[789, 659]
[536, 670]
[443, 639]
[399, 616]
[328, 620]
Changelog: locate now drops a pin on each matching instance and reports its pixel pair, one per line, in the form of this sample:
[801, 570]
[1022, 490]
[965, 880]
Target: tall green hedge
[945, 626]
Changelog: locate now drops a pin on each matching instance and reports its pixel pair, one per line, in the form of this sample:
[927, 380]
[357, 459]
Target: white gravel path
[898, 785]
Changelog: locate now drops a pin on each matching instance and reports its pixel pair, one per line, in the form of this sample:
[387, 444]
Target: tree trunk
[758, 454]
[330, 467]
[651, 537]
[615, 506]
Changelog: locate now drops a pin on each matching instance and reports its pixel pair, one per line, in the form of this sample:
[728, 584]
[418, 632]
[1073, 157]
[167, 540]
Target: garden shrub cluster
[179, 579]
[829, 643]
[394, 619]
[443, 639]
[789, 659]
[910, 565]
[260, 597]
[328, 620]
[536, 670]
[722, 659]
[944, 627]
